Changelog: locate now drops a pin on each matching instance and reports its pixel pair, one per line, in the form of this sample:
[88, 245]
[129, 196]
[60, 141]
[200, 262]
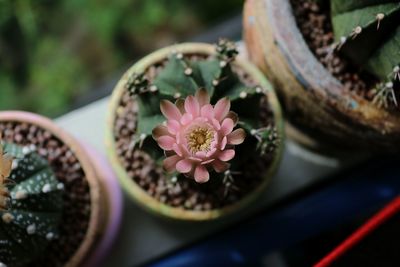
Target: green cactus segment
[384, 61]
[367, 31]
[34, 214]
[182, 76]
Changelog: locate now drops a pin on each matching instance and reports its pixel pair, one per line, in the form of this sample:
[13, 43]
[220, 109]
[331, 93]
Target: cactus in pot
[368, 33]
[195, 131]
[198, 119]
[31, 204]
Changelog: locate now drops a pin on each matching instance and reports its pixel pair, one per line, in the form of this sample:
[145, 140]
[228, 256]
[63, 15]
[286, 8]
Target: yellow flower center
[200, 139]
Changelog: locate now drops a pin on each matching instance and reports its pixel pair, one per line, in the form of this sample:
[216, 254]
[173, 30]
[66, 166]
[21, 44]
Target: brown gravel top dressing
[314, 23]
[76, 210]
[184, 192]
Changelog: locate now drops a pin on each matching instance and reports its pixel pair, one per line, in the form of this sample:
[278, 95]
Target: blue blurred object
[294, 233]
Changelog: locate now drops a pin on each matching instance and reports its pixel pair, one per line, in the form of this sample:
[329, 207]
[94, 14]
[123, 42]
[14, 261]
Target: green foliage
[34, 212]
[368, 32]
[183, 76]
[84, 42]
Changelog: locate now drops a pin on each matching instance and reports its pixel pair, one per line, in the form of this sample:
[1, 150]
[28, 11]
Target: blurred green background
[53, 52]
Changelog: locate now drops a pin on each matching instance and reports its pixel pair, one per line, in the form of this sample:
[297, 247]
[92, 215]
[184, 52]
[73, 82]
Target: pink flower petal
[233, 116]
[201, 154]
[219, 166]
[226, 155]
[223, 143]
[211, 152]
[222, 107]
[207, 111]
[173, 126]
[170, 163]
[192, 106]
[166, 142]
[216, 124]
[207, 162]
[226, 127]
[177, 149]
[194, 159]
[201, 174]
[236, 137]
[184, 166]
[203, 97]
[186, 118]
[160, 130]
[169, 110]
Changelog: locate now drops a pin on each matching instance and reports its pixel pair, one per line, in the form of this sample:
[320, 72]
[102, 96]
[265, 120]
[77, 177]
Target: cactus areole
[197, 124]
[31, 204]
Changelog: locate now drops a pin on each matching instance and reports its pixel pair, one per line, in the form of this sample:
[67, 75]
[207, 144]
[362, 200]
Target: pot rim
[95, 226]
[135, 191]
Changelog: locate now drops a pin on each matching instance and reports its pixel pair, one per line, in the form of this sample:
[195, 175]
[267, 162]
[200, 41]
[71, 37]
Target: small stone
[21, 194]
[50, 236]
[7, 218]
[14, 164]
[25, 150]
[31, 229]
[60, 186]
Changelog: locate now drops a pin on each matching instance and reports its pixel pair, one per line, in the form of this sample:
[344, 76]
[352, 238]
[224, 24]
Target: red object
[378, 219]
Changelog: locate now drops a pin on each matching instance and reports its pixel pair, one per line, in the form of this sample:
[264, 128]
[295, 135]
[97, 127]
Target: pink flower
[198, 137]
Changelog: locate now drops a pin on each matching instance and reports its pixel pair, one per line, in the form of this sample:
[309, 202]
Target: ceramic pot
[105, 193]
[319, 110]
[134, 190]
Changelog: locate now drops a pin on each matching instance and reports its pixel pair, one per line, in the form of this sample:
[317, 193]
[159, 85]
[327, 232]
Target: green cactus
[368, 32]
[31, 218]
[183, 76]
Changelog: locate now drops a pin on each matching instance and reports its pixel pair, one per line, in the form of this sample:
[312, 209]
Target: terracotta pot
[105, 193]
[319, 109]
[134, 190]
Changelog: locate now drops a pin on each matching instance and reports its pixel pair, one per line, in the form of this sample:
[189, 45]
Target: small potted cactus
[57, 206]
[194, 132]
[336, 65]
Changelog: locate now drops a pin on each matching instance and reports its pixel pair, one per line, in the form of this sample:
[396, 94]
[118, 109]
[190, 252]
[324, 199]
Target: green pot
[141, 196]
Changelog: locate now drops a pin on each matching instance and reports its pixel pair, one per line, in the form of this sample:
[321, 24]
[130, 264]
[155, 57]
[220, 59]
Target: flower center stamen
[199, 139]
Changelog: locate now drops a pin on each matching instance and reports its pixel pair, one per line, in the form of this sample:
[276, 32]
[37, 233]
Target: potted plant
[194, 133]
[59, 205]
[335, 64]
